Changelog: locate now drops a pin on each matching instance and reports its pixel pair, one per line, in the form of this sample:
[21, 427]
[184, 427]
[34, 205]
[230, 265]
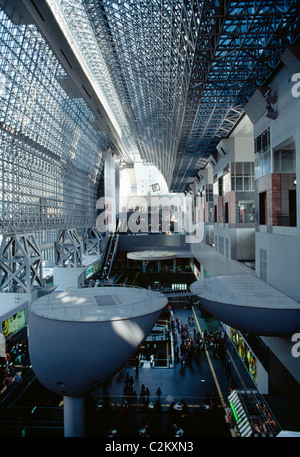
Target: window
[262, 155]
[209, 193]
[220, 186]
[226, 179]
[242, 176]
[245, 212]
[262, 208]
[284, 161]
[292, 208]
[226, 217]
[215, 185]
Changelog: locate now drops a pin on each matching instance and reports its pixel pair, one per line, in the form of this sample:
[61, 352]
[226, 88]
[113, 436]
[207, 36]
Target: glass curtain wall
[51, 158]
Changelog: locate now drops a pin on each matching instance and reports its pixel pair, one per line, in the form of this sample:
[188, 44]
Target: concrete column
[144, 266]
[74, 416]
[174, 266]
[158, 266]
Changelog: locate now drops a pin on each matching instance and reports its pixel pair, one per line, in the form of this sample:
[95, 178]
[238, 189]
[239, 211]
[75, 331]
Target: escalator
[109, 254]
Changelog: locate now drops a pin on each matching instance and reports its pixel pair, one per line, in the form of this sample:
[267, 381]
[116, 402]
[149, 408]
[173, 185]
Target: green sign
[89, 272]
[234, 412]
[14, 323]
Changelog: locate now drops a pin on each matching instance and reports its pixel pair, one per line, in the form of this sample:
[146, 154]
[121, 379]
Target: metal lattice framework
[51, 157]
[240, 47]
[20, 264]
[68, 249]
[175, 76]
[183, 70]
[92, 239]
[83, 37]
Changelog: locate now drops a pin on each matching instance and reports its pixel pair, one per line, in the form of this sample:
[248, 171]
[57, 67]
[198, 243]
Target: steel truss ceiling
[239, 48]
[183, 70]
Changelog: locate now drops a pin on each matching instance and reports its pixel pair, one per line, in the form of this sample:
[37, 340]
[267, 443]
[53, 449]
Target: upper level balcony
[247, 303]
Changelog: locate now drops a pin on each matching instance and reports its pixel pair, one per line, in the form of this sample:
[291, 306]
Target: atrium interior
[149, 209]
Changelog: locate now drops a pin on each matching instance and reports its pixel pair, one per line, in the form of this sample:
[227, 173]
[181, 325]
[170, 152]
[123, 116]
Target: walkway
[198, 383]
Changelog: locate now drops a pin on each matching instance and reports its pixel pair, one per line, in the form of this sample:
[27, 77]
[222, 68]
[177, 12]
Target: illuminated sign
[2, 345]
[245, 353]
[179, 286]
[89, 272]
[234, 412]
[96, 267]
[14, 323]
[196, 272]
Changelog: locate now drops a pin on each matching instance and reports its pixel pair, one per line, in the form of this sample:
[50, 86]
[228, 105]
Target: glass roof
[176, 74]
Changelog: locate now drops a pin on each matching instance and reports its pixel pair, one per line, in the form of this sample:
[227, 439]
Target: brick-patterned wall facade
[276, 186]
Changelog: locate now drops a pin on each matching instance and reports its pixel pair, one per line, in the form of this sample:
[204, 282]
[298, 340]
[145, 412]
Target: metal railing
[211, 293]
[116, 402]
[147, 302]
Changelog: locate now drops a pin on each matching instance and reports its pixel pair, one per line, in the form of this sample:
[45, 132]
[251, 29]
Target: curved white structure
[151, 255]
[79, 338]
[247, 303]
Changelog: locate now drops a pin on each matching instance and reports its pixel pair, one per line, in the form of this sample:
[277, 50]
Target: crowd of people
[190, 342]
[175, 423]
[144, 400]
[13, 365]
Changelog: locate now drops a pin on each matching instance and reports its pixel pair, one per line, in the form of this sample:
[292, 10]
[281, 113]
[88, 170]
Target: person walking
[147, 392]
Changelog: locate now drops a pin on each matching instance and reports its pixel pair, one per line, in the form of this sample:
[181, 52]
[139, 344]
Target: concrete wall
[238, 243]
[208, 233]
[278, 248]
[68, 278]
[282, 265]
[282, 347]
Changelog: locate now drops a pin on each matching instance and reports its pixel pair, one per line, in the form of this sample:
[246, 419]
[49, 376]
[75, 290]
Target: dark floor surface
[205, 378]
[193, 384]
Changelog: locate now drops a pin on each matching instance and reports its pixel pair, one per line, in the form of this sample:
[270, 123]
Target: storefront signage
[14, 323]
[245, 353]
[89, 272]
